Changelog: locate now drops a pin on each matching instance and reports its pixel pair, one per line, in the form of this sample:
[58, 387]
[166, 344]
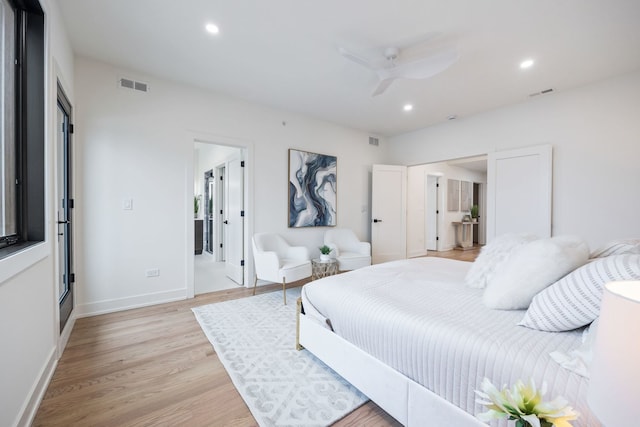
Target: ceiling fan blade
[382, 86]
[426, 67]
[355, 58]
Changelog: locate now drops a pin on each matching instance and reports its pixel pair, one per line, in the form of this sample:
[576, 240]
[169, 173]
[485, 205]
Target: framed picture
[313, 192]
[466, 192]
[453, 195]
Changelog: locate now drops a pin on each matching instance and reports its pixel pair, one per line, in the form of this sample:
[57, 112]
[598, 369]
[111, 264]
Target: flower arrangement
[523, 403]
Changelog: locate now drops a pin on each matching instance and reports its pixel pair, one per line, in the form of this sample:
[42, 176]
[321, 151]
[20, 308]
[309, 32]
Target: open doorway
[219, 184]
[430, 217]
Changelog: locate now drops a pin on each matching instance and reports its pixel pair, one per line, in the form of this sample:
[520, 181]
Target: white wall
[595, 133]
[416, 244]
[140, 146]
[28, 300]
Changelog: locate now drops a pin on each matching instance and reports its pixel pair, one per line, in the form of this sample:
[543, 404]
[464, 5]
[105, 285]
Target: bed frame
[405, 400]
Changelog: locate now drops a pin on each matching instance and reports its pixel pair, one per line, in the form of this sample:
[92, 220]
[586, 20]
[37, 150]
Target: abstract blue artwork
[312, 189]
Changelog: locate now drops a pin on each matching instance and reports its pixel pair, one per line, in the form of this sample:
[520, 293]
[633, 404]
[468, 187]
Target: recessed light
[526, 63]
[212, 28]
[407, 107]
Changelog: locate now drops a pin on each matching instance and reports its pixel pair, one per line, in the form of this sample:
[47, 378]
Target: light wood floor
[153, 366]
[468, 255]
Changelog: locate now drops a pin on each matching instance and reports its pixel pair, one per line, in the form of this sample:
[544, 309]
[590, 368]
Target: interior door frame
[432, 212]
[247, 147]
[221, 211]
[64, 223]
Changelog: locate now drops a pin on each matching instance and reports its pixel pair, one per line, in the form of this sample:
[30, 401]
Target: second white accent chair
[277, 261]
[345, 246]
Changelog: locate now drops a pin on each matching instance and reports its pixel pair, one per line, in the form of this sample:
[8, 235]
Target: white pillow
[574, 301]
[579, 359]
[617, 247]
[492, 255]
[531, 268]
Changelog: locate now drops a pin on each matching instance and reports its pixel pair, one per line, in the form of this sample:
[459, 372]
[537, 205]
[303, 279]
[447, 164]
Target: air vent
[126, 83]
[142, 87]
[542, 92]
[133, 85]
[374, 141]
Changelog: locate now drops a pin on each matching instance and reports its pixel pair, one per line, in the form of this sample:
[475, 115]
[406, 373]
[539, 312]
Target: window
[8, 137]
[22, 78]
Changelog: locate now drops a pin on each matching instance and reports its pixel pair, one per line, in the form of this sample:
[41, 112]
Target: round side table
[320, 269]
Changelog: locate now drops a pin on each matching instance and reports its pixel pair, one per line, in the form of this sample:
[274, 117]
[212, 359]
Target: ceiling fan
[391, 66]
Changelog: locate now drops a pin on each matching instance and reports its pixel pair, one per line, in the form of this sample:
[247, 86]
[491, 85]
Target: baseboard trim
[63, 339]
[38, 390]
[121, 304]
[415, 254]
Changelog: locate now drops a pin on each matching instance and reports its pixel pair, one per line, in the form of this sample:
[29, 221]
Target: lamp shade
[614, 388]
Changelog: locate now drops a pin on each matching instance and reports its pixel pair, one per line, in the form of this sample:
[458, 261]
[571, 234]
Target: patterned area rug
[255, 340]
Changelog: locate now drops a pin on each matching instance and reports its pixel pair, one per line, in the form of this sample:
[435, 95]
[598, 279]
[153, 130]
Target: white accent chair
[276, 261]
[350, 252]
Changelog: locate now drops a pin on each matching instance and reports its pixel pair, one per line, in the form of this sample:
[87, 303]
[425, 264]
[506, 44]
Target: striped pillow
[617, 247]
[574, 300]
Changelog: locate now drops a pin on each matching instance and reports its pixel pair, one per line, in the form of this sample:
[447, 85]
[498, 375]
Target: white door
[389, 213]
[234, 221]
[416, 204]
[519, 191]
[432, 211]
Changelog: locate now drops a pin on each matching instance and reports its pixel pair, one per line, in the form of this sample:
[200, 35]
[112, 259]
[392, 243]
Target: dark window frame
[30, 128]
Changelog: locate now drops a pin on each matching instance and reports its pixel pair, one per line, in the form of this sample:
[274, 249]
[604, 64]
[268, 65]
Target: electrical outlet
[153, 272]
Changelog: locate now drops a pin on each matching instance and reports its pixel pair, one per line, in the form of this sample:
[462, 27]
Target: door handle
[377, 220]
[225, 221]
[62, 222]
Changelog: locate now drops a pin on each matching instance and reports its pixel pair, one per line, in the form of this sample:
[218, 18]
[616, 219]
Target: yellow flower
[524, 402]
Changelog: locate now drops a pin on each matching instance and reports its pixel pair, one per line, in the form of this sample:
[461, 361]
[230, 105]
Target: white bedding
[418, 317]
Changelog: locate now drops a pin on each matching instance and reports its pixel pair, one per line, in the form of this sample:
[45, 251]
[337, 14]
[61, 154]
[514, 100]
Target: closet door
[389, 213]
[519, 186]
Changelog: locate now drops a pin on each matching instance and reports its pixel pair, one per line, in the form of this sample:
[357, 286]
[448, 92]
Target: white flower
[524, 402]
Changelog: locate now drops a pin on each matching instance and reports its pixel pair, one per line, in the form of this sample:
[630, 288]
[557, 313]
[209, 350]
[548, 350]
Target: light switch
[127, 204]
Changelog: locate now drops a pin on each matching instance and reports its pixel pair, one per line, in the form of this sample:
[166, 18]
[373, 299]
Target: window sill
[19, 257]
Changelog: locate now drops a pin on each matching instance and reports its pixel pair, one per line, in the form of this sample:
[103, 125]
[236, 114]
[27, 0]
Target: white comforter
[418, 317]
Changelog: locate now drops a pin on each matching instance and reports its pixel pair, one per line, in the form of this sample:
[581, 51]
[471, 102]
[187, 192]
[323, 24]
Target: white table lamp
[614, 387]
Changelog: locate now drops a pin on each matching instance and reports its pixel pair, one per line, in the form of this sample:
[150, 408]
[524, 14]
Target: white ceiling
[284, 53]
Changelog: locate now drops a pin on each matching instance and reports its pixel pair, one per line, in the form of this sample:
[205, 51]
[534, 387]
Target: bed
[411, 336]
